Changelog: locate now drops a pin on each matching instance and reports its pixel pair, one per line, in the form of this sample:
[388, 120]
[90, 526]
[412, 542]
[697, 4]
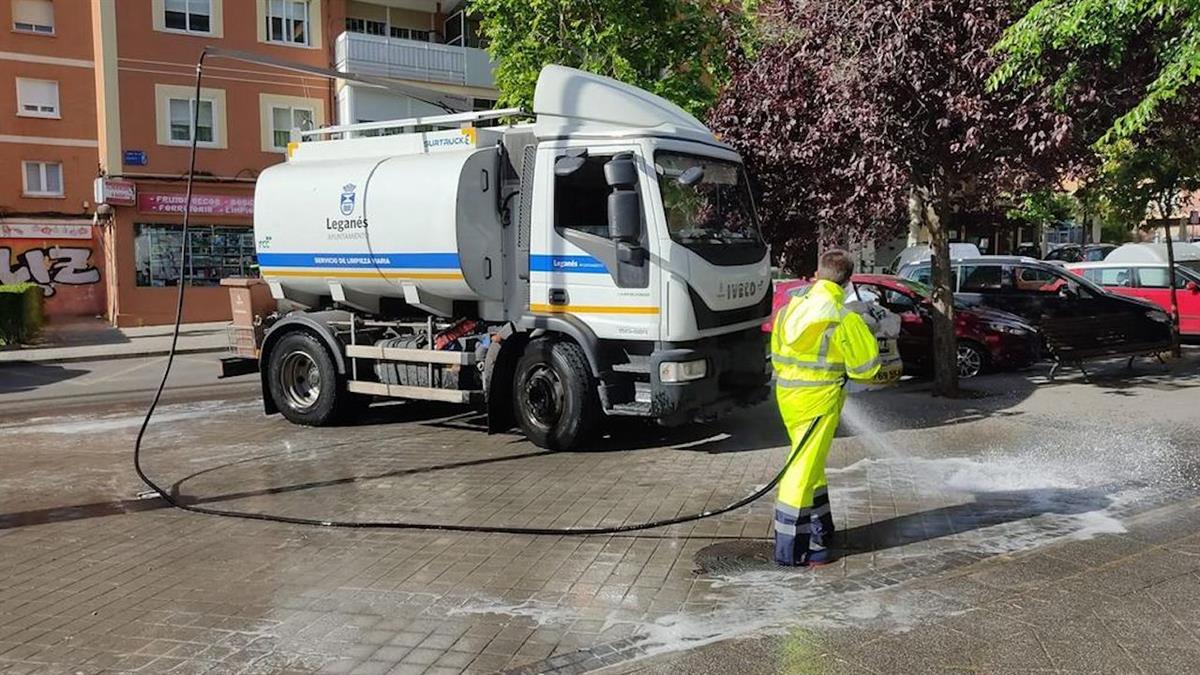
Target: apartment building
[48, 146]
[96, 119]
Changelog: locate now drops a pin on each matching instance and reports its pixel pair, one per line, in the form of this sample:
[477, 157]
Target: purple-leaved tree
[859, 117]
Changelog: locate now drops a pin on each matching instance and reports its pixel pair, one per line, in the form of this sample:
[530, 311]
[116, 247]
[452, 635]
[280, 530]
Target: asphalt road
[37, 387]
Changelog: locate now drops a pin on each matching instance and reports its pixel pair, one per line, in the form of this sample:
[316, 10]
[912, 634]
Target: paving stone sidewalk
[945, 509]
[85, 339]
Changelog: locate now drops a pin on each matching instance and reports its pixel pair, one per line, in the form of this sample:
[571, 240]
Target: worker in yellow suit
[816, 344]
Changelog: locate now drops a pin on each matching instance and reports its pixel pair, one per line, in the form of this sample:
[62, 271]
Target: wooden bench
[1073, 340]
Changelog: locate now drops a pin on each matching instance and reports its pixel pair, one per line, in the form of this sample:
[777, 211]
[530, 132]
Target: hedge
[20, 312]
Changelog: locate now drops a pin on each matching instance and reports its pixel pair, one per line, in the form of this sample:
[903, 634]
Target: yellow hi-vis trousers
[803, 521]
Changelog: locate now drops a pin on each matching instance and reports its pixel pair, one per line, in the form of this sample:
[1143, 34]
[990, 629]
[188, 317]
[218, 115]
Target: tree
[1134, 58]
[673, 48]
[857, 116]
[1137, 64]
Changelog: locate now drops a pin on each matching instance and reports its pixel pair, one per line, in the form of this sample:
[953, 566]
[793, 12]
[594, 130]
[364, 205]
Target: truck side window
[581, 199]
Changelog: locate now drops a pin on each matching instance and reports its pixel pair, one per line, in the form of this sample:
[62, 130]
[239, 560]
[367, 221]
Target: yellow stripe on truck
[334, 274]
[591, 309]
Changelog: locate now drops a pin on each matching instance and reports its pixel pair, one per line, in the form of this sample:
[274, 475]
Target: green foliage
[1147, 177]
[1044, 207]
[673, 48]
[1148, 51]
[20, 312]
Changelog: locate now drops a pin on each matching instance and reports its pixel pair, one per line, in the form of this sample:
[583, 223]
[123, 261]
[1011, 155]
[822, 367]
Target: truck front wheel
[554, 394]
[304, 381]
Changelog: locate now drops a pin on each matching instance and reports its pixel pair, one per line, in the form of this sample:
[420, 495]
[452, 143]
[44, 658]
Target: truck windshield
[714, 215]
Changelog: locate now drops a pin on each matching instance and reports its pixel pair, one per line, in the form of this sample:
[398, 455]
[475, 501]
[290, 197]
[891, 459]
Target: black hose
[390, 525]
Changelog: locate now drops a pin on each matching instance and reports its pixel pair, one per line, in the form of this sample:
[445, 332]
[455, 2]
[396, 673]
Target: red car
[987, 338]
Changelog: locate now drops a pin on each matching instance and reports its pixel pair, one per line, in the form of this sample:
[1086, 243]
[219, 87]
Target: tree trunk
[1165, 207]
[931, 203]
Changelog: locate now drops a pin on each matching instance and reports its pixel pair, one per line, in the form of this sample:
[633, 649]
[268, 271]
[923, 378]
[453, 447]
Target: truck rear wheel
[554, 394]
[304, 382]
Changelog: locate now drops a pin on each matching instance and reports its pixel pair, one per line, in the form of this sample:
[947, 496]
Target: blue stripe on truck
[392, 261]
[578, 264]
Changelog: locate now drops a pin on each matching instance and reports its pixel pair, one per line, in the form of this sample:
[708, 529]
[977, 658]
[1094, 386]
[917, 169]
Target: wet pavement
[1002, 532]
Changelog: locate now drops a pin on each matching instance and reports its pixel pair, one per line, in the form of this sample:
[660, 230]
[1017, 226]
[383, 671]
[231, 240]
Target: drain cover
[733, 557]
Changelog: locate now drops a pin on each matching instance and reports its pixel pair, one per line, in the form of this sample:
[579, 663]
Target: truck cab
[607, 256]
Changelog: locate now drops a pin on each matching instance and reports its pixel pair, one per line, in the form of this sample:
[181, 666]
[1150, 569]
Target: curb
[33, 358]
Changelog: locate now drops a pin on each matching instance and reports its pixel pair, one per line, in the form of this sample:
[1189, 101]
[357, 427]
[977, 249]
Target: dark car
[1039, 292]
[1074, 253]
[987, 338]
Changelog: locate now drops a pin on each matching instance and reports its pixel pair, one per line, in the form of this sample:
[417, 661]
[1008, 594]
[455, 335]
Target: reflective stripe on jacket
[815, 343]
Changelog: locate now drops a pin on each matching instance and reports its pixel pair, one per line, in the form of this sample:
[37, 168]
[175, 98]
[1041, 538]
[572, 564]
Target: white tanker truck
[602, 260]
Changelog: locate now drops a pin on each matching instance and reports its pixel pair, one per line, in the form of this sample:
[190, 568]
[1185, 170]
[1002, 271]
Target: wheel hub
[970, 362]
[544, 393]
[300, 379]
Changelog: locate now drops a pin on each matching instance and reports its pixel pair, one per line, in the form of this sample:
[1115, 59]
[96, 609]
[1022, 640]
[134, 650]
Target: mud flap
[499, 368]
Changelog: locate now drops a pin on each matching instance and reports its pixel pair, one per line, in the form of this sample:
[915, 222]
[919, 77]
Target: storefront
[59, 254]
[143, 252]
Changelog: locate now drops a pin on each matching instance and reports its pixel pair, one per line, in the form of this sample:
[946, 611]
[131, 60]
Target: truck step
[420, 393]
[634, 409]
[411, 355]
[638, 365]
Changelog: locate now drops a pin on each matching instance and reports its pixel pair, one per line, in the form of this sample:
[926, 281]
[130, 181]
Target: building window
[287, 21]
[284, 119]
[193, 16]
[366, 26]
[180, 111]
[216, 253]
[33, 16]
[43, 179]
[411, 34]
[37, 98]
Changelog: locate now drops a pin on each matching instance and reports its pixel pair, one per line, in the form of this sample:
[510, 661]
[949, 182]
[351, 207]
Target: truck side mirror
[624, 216]
[624, 205]
[620, 171]
[571, 162]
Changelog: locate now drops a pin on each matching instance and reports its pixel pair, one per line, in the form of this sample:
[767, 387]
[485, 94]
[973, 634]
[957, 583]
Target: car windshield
[715, 209]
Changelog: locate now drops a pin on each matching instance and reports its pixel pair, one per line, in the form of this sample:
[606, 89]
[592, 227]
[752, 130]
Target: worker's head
[835, 265]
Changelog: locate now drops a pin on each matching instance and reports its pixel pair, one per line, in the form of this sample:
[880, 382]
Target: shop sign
[115, 192]
[45, 231]
[209, 205]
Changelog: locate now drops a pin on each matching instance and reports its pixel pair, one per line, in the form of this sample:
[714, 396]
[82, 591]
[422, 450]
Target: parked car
[987, 338]
[1038, 291]
[1140, 271]
[1073, 253]
[918, 252]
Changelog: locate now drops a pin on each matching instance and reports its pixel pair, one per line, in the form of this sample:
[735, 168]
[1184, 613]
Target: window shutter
[34, 12]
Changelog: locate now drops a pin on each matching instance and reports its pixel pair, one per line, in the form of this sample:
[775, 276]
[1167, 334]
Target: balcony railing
[413, 60]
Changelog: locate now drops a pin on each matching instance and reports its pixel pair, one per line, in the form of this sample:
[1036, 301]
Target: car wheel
[554, 395]
[971, 360]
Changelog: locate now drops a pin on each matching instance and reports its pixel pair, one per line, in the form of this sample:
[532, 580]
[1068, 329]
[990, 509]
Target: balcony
[413, 60]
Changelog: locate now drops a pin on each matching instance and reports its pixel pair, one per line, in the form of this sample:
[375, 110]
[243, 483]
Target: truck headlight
[673, 372]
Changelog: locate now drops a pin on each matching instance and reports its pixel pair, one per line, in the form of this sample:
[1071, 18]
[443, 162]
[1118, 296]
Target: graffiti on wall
[49, 267]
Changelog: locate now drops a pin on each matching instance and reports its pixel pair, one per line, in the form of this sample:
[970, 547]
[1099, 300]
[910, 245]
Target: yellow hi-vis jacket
[815, 343]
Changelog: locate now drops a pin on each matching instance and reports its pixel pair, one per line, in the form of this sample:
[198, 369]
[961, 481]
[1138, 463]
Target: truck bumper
[737, 376]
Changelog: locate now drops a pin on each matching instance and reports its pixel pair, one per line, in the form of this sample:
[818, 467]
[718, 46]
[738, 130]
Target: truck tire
[554, 394]
[304, 382]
